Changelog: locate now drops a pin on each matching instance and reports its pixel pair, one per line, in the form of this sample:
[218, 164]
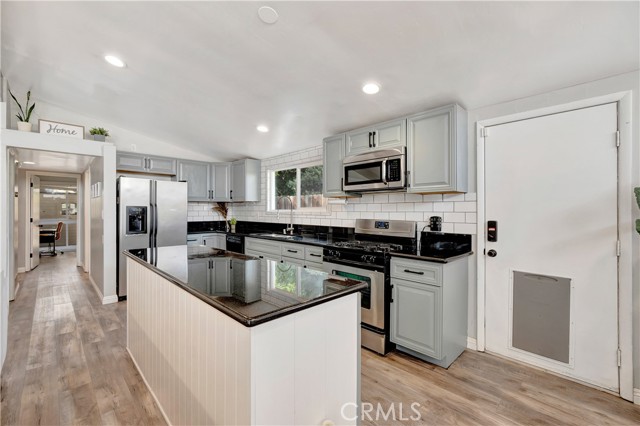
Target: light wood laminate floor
[66, 360]
[67, 364]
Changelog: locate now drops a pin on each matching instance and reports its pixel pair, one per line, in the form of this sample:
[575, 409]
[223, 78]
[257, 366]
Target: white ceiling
[202, 75]
[52, 161]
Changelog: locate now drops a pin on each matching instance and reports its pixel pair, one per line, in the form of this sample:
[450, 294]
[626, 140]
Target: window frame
[271, 196]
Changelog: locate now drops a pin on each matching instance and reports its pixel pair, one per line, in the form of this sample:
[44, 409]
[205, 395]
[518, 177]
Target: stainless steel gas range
[367, 259]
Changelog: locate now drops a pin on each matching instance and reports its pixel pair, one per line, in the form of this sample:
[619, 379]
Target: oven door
[372, 299]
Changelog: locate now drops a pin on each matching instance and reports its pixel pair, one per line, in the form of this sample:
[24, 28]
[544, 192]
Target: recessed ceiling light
[371, 88]
[268, 15]
[262, 128]
[28, 162]
[115, 61]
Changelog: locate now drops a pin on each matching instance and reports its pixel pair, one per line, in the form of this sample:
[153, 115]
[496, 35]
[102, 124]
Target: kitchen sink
[280, 236]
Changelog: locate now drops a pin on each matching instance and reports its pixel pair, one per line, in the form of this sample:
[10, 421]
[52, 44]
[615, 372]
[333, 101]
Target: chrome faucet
[289, 228]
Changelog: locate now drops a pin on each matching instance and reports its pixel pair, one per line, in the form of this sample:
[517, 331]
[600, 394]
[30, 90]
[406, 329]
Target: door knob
[492, 253]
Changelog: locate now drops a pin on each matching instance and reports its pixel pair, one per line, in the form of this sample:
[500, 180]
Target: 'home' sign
[61, 129]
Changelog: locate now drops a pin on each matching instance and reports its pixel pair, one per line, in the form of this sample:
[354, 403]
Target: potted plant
[637, 192]
[25, 114]
[233, 222]
[99, 133]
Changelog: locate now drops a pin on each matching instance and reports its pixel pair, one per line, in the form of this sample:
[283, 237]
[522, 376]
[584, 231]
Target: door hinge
[485, 132]
[619, 357]
[618, 248]
[617, 138]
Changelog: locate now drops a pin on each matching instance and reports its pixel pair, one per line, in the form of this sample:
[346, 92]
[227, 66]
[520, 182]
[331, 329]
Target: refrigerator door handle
[152, 215]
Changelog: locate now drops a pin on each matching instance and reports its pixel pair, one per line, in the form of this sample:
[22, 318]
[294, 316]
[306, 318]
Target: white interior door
[35, 221]
[551, 289]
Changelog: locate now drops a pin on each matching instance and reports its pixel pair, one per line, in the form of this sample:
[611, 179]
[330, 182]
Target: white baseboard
[22, 270]
[636, 396]
[95, 287]
[109, 299]
[472, 343]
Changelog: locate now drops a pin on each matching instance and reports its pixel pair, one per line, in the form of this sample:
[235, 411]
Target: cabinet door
[161, 165]
[436, 151]
[416, 317]
[213, 241]
[221, 181]
[198, 274]
[131, 162]
[332, 170]
[390, 134]
[196, 174]
[359, 141]
[220, 277]
[221, 241]
[237, 181]
[194, 240]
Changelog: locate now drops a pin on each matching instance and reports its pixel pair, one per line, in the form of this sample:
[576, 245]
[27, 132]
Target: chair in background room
[50, 236]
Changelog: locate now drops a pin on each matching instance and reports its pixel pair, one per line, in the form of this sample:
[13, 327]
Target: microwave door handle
[384, 172]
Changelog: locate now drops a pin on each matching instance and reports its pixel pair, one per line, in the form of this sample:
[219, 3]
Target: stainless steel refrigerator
[151, 213]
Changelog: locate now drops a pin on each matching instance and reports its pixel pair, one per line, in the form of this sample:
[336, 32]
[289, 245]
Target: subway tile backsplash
[458, 211]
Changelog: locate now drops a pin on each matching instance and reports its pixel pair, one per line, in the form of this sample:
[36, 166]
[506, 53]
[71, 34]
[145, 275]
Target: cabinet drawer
[264, 246]
[416, 271]
[292, 261]
[194, 240]
[313, 254]
[295, 251]
[262, 255]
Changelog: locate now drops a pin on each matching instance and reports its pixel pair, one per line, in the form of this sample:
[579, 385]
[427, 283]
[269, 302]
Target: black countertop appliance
[444, 245]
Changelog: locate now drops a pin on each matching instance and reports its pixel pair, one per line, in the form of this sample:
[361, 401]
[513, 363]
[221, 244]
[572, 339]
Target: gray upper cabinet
[332, 170]
[389, 134]
[221, 181]
[437, 151]
[245, 180]
[128, 162]
[196, 174]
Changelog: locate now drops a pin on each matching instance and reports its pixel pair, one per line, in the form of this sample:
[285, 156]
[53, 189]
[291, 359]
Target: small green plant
[233, 221]
[24, 114]
[99, 131]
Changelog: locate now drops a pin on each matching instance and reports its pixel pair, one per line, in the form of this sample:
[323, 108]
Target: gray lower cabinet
[429, 308]
[210, 276]
[389, 134]
[129, 162]
[194, 240]
[437, 151]
[197, 176]
[218, 241]
[298, 254]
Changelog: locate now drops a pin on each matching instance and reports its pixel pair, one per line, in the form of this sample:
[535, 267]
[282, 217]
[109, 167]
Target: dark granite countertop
[250, 290]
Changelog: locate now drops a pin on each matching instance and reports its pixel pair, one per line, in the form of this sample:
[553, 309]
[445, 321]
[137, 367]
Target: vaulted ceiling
[203, 75]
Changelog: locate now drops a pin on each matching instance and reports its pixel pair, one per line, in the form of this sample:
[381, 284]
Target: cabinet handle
[370, 146]
[292, 251]
[204, 242]
[261, 257]
[231, 194]
[409, 271]
[374, 139]
[150, 164]
[315, 255]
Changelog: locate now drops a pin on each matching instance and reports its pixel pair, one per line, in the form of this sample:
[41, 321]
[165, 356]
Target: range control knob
[334, 253]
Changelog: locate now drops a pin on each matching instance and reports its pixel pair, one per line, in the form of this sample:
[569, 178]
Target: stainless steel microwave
[375, 171]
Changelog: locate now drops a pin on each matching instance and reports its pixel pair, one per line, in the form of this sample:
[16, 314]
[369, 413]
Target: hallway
[67, 361]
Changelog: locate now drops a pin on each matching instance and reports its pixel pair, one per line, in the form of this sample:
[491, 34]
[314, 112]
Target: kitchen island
[223, 338]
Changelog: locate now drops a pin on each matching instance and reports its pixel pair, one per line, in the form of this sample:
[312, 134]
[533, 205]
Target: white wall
[620, 83]
[123, 139]
[97, 227]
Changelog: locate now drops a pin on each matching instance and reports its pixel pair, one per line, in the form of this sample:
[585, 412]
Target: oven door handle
[337, 261]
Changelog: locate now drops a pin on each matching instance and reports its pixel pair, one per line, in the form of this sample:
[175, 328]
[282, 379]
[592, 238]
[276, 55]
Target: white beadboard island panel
[194, 359]
[203, 367]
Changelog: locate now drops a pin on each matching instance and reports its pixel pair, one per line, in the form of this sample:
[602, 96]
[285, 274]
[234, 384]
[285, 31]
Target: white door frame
[79, 222]
[626, 202]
